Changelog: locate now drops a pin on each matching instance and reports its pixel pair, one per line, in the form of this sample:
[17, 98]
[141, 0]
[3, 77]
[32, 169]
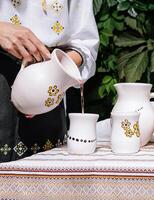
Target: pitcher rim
[122, 114]
[134, 84]
[70, 60]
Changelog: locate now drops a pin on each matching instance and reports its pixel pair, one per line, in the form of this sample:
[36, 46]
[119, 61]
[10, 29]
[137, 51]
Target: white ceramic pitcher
[82, 133]
[133, 97]
[40, 87]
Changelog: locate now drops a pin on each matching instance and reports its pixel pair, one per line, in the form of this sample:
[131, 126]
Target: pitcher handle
[23, 65]
[151, 95]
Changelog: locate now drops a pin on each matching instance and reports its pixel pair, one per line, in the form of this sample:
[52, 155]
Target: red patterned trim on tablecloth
[90, 170]
[91, 177]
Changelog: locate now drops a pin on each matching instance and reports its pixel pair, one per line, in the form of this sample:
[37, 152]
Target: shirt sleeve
[83, 36]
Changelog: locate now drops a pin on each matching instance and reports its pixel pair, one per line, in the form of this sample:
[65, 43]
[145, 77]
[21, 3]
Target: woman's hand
[75, 56]
[22, 43]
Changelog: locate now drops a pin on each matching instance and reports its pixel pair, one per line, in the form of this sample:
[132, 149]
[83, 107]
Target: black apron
[20, 136]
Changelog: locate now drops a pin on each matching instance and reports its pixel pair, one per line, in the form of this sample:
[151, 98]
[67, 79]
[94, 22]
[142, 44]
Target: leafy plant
[126, 42]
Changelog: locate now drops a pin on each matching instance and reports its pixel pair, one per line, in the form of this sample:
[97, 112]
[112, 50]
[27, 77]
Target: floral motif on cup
[125, 124]
[49, 102]
[129, 132]
[136, 129]
[53, 90]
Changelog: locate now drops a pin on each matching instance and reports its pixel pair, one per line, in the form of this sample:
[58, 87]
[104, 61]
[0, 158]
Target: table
[56, 175]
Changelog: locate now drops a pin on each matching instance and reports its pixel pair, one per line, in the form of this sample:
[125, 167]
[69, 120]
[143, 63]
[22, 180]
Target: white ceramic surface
[103, 130]
[40, 87]
[136, 96]
[82, 133]
[125, 135]
[152, 138]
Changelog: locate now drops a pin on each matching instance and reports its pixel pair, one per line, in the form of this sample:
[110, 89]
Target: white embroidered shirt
[68, 23]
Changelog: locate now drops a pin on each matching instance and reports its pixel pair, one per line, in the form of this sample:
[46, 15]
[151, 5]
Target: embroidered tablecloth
[56, 175]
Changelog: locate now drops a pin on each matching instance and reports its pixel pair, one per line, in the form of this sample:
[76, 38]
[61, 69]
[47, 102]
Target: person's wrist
[75, 56]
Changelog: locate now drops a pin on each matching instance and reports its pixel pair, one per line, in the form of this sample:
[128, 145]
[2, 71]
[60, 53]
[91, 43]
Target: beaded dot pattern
[80, 140]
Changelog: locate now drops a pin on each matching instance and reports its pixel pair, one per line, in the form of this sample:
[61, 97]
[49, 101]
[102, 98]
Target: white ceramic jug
[125, 134]
[82, 133]
[133, 97]
[40, 87]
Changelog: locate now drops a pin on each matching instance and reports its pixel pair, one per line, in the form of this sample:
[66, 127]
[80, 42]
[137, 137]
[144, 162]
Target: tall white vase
[133, 97]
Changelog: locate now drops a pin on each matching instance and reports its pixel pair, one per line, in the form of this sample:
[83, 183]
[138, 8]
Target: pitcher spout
[70, 74]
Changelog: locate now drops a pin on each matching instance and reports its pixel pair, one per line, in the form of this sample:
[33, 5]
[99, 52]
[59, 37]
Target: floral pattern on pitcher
[56, 95]
[49, 102]
[59, 98]
[126, 125]
[53, 91]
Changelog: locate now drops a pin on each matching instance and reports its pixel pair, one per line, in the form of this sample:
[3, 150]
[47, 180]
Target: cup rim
[83, 114]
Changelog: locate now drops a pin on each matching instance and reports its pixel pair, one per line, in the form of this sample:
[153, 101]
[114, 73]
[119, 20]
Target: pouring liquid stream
[82, 97]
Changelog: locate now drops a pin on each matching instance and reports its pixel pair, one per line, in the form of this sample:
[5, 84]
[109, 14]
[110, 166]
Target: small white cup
[82, 133]
[152, 138]
[125, 136]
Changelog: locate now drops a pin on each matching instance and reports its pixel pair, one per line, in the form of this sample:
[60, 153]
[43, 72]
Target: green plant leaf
[128, 41]
[104, 40]
[152, 62]
[132, 23]
[111, 3]
[106, 79]
[123, 6]
[101, 91]
[97, 5]
[150, 44]
[100, 25]
[104, 17]
[141, 17]
[151, 6]
[107, 32]
[117, 16]
[140, 6]
[136, 67]
[120, 1]
[119, 25]
[124, 58]
[109, 24]
[107, 86]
